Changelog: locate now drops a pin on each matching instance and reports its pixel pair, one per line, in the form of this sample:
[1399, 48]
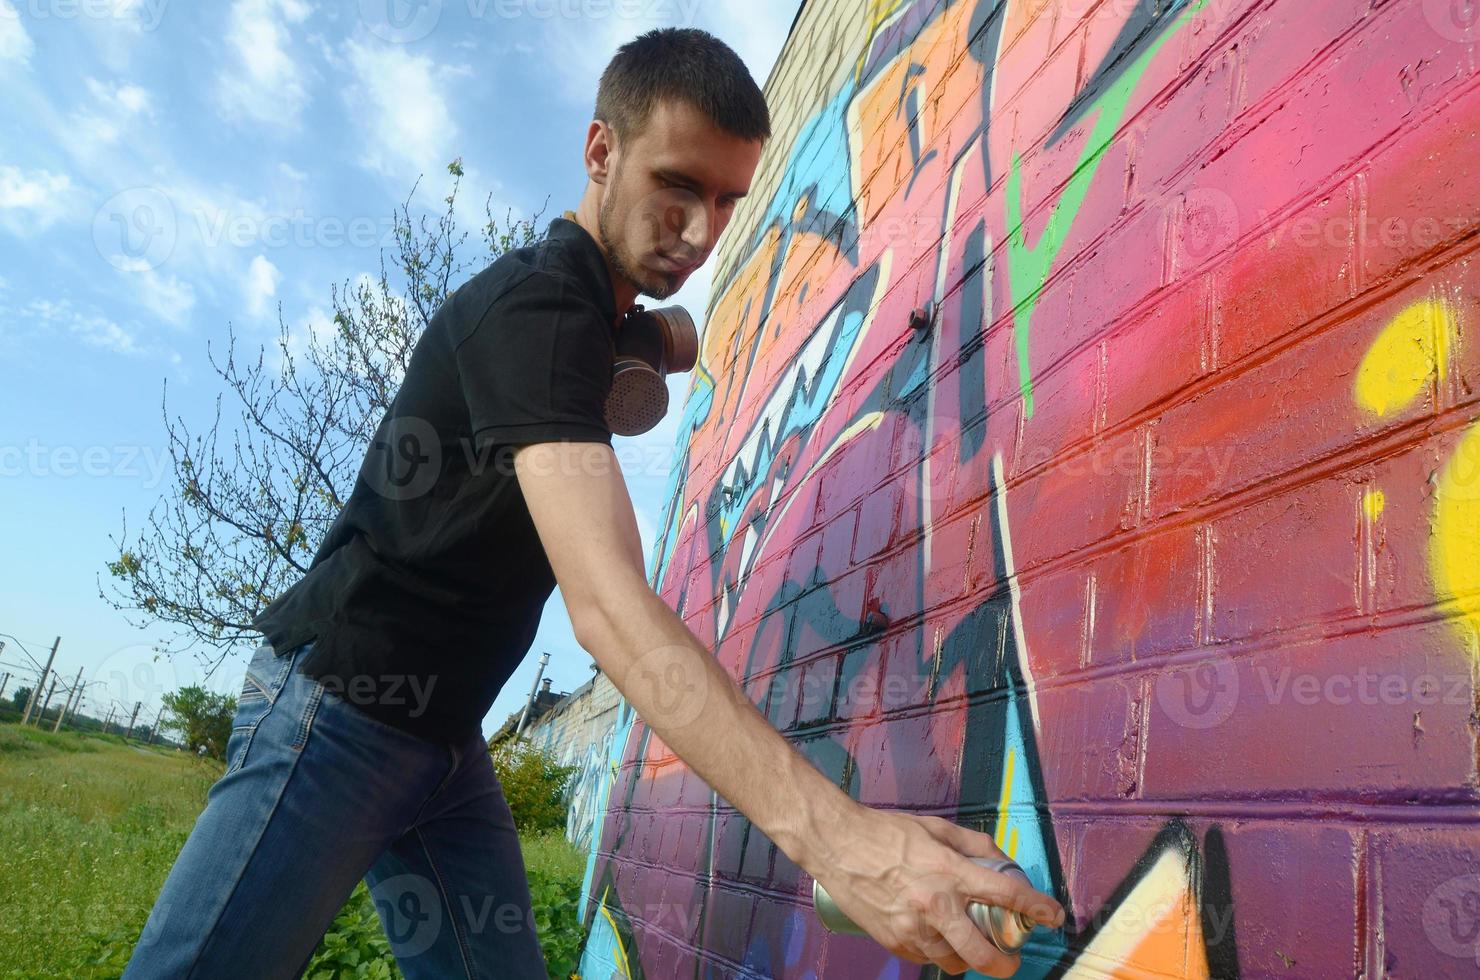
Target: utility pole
[155, 729]
[52, 689]
[76, 690]
[31, 701]
[533, 693]
[108, 721]
[5, 681]
[132, 718]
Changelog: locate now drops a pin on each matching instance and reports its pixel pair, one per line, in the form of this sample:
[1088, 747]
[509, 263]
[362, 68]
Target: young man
[357, 748]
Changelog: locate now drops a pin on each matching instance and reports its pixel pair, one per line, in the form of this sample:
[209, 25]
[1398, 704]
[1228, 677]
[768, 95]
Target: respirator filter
[651, 344]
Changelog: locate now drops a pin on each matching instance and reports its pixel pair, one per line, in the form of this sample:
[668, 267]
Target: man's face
[669, 194]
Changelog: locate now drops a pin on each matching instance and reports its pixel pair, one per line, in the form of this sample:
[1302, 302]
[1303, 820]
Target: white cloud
[115, 107]
[93, 329]
[262, 282]
[33, 201]
[15, 44]
[60, 318]
[263, 83]
[292, 173]
[398, 103]
[126, 98]
[168, 297]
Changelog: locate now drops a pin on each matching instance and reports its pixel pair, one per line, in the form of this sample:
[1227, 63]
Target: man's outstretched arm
[903, 878]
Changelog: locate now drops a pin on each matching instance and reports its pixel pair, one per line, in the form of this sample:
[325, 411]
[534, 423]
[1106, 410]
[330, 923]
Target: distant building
[577, 729]
[544, 701]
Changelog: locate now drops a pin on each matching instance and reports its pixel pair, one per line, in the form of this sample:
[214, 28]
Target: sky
[170, 171]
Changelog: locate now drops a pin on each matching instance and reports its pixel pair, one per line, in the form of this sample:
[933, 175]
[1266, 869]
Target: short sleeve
[538, 366]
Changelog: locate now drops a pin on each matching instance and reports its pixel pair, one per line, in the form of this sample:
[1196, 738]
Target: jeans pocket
[260, 686]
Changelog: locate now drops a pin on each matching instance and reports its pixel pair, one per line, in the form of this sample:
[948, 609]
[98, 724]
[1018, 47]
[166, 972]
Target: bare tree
[249, 503]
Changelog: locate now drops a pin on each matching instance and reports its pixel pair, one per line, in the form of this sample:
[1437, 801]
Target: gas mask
[651, 344]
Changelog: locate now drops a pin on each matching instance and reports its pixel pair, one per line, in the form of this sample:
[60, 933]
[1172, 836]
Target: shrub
[535, 785]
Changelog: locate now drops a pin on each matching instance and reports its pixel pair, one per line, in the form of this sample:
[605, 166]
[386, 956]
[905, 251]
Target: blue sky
[168, 170]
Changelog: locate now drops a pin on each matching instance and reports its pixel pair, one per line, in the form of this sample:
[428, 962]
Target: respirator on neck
[651, 344]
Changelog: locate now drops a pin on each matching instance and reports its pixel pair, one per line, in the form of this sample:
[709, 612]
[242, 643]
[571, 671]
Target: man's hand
[905, 879]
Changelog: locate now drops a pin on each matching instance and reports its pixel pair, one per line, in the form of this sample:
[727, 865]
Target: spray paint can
[1007, 929]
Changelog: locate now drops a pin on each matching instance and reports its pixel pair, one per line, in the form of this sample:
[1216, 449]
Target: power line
[19, 643]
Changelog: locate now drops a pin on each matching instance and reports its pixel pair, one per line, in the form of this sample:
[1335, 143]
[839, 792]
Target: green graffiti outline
[1029, 268]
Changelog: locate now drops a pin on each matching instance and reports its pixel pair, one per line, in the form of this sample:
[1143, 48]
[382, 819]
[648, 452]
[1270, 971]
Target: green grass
[551, 854]
[90, 827]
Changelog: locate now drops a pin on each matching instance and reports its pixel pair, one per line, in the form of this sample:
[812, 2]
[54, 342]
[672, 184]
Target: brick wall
[578, 732]
[1154, 550]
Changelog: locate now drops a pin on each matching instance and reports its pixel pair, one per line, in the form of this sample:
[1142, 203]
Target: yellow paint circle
[1456, 547]
[1412, 349]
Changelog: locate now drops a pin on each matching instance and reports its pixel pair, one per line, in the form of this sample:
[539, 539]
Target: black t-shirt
[426, 592]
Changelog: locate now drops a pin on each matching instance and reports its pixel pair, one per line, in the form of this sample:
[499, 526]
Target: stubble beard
[648, 282]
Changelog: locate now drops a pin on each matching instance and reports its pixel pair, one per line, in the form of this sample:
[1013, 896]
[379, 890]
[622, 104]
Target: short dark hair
[680, 63]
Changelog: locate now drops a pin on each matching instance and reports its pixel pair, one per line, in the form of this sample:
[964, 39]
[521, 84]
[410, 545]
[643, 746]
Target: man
[357, 749]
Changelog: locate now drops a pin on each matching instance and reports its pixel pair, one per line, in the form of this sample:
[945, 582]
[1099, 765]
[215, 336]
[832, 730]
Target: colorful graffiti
[1084, 385]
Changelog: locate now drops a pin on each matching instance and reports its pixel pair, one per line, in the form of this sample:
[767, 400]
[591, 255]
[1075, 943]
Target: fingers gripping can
[1007, 929]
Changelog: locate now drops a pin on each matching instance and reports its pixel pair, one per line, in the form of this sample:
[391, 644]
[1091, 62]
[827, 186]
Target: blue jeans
[316, 795]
